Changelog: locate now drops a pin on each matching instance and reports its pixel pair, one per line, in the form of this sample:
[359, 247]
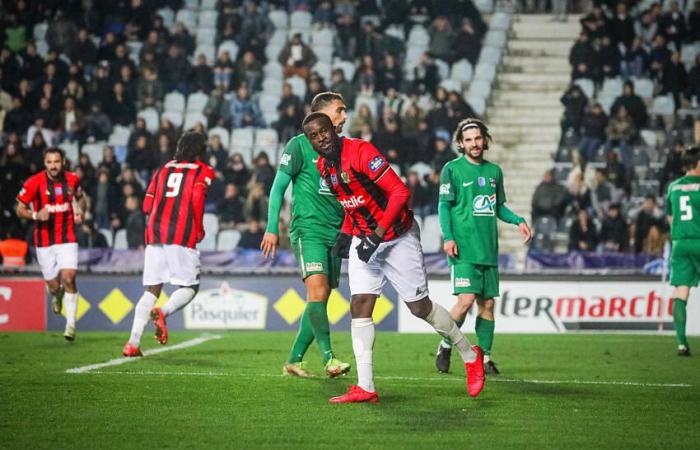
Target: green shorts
[314, 257]
[476, 279]
[685, 262]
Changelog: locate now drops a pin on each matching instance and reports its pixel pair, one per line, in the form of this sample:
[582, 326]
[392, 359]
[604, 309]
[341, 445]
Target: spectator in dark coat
[593, 132]
[574, 101]
[582, 234]
[135, 223]
[252, 237]
[201, 77]
[673, 79]
[622, 26]
[647, 217]
[634, 104]
[230, 208]
[635, 62]
[614, 235]
[672, 25]
[121, 108]
[609, 59]
[467, 43]
[549, 198]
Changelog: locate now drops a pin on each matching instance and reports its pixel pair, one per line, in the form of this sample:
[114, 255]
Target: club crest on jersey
[481, 181]
[58, 190]
[484, 205]
[345, 177]
[334, 179]
[445, 189]
[492, 182]
[284, 161]
[376, 163]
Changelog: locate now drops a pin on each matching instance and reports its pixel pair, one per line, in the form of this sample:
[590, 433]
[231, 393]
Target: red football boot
[158, 319]
[475, 373]
[131, 351]
[356, 394]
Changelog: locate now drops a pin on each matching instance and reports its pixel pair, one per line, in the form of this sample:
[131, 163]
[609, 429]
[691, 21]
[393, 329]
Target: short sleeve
[447, 193]
[371, 162]
[500, 190]
[292, 158]
[28, 192]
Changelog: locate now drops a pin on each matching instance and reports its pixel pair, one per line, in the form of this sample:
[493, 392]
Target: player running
[57, 204]
[683, 200]
[174, 203]
[316, 220]
[385, 245]
[472, 197]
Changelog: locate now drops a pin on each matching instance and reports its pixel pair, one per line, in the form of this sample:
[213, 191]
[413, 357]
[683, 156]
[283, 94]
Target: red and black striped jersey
[354, 185]
[174, 207]
[57, 195]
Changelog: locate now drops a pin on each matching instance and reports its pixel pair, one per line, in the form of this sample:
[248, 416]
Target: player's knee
[465, 302]
[194, 287]
[361, 305]
[318, 293]
[420, 308]
[68, 280]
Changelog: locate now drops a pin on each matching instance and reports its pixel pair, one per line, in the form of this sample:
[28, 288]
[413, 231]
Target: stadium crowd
[628, 114]
[103, 75]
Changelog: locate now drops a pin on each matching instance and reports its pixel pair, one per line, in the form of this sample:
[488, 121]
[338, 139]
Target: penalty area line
[155, 351]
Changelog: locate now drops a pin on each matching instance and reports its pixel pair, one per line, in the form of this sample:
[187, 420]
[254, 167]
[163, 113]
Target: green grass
[160, 401]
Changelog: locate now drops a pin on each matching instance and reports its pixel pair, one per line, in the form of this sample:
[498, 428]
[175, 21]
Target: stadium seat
[192, 5]
[228, 240]
[418, 36]
[490, 55]
[229, 46]
[484, 71]
[347, 67]
[430, 235]
[324, 53]
[42, 48]
[168, 16]
[422, 169]
[278, 38]
[208, 18]
[223, 134]
[174, 101]
[272, 86]
[39, 32]
[94, 152]
[396, 31]
[279, 19]
[150, 115]
[606, 102]
[322, 37]
[193, 117]
[120, 242]
[298, 85]
[242, 140]
[209, 51]
[208, 244]
[119, 136]
[211, 223]
[270, 116]
[208, 5]
[272, 51]
[173, 117]
[205, 36]
[663, 105]
[71, 150]
[500, 21]
[644, 87]
[300, 20]
[268, 102]
[188, 19]
[495, 38]
[370, 101]
[451, 85]
[197, 101]
[688, 54]
[586, 86]
[484, 6]
[478, 103]
[266, 139]
[546, 225]
[443, 68]
[542, 241]
[639, 157]
[273, 69]
[612, 87]
[462, 70]
[479, 88]
[108, 236]
[649, 137]
[324, 70]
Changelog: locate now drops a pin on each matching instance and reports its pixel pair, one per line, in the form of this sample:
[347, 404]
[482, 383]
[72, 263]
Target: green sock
[679, 316]
[447, 342]
[304, 338]
[321, 329]
[484, 333]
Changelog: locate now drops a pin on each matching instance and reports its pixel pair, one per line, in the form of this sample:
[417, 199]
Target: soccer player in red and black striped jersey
[54, 201]
[175, 206]
[381, 240]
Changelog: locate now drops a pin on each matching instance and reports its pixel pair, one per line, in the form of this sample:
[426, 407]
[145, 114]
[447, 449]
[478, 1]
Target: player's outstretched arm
[271, 239]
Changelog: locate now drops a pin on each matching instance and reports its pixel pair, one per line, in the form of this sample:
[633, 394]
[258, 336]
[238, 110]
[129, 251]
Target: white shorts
[57, 257]
[400, 261]
[172, 264]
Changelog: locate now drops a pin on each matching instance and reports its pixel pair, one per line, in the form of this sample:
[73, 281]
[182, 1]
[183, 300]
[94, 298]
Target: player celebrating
[316, 220]
[175, 206]
[385, 245]
[471, 198]
[57, 204]
[683, 200]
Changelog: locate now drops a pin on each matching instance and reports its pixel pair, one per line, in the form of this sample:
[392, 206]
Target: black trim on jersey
[369, 218]
[160, 207]
[38, 235]
[52, 216]
[188, 226]
[172, 224]
[372, 189]
[64, 229]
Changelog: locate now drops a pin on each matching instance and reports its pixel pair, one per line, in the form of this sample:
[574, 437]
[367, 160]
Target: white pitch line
[397, 378]
[155, 351]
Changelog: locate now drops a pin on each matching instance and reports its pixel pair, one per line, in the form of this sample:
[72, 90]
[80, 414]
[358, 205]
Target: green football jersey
[683, 204]
[314, 207]
[474, 191]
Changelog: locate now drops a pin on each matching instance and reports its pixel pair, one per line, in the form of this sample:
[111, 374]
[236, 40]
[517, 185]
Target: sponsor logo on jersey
[314, 160]
[420, 290]
[284, 161]
[58, 190]
[207, 180]
[481, 181]
[462, 282]
[353, 202]
[484, 205]
[686, 187]
[323, 187]
[445, 189]
[59, 208]
[376, 163]
[467, 184]
[492, 182]
[334, 179]
[313, 267]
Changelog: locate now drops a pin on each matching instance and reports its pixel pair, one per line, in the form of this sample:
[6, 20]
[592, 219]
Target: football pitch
[224, 390]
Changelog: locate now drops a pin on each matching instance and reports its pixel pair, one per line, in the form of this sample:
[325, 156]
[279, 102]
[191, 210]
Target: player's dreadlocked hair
[468, 123]
[691, 156]
[191, 146]
[324, 99]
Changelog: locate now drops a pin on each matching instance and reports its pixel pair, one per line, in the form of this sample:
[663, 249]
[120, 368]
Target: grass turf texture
[242, 402]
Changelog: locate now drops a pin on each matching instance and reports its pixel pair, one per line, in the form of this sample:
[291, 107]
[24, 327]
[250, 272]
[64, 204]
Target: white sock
[445, 325]
[487, 358]
[141, 316]
[362, 331]
[70, 302]
[178, 300]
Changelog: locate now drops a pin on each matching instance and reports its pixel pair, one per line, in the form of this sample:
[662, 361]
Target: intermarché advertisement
[277, 303]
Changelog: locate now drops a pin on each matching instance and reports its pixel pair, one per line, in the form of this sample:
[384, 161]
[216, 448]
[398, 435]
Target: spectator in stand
[634, 105]
[595, 23]
[692, 91]
[421, 201]
[583, 58]
[614, 236]
[182, 39]
[646, 28]
[390, 76]
[635, 62]
[201, 78]
[263, 172]
[230, 208]
[425, 75]
[391, 143]
[314, 86]
[604, 193]
[109, 163]
[342, 86]
[609, 59]
[35, 152]
[467, 43]
[72, 121]
[621, 131]
[13, 173]
[574, 101]
[287, 126]
[370, 42]
[88, 236]
[135, 223]
[622, 26]
[252, 236]
[593, 133]
[245, 111]
[165, 150]
[105, 199]
[549, 198]
[347, 29]
[255, 207]
[217, 109]
[647, 217]
[694, 23]
[654, 241]
[672, 25]
[126, 78]
[443, 153]
[149, 88]
[673, 78]
[363, 117]
[442, 38]
[141, 157]
[256, 28]
[75, 90]
[167, 128]
[578, 195]
[582, 234]
[223, 71]
[249, 71]
[297, 57]
[290, 98]
[365, 78]
[324, 15]
[236, 172]
[616, 172]
[18, 119]
[218, 154]
[84, 51]
[673, 168]
[659, 57]
[175, 70]
[120, 108]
